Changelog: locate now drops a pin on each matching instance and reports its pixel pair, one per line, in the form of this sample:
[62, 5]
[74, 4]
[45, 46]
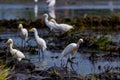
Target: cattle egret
[40, 42]
[35, 1]
[62, 27]
[48, 23]
[51, 3]
[15, 53]
[51, 8]
[51, 12]
[71, 49]
[23, 34]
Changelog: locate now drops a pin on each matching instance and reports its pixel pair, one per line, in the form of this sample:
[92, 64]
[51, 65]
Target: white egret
[51, 8]
[40, 42]
[51, 12]
[62, 27]
[36, 10]
[48, 23]
[15, 53]
[35, 1]
[71, 49]
[23, 34]
[51, 3]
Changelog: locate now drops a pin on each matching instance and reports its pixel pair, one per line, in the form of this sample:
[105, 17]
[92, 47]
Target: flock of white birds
[70, 49]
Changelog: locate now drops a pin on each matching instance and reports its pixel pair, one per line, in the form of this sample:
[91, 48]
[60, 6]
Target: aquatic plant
[4, 73]
[102, 42]
[94, 77]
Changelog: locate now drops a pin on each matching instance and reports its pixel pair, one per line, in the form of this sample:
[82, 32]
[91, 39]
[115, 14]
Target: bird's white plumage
[62, 27]
[71, 48]
[48, 23]
[51, 3]
[15, 53]
[51, 12]
[40, 41]
[23, 32]
[35, 1]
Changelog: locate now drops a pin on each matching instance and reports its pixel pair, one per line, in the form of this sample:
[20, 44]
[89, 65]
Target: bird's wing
[51, 25]
[68, 49]
[51, 3]
[18, 54]
[64, 27]
[41, 42]
[24, 33]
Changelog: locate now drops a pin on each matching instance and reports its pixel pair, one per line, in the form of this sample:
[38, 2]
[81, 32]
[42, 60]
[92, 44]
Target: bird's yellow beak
[31, 30]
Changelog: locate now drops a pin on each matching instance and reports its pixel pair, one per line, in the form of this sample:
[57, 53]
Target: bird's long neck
[11, 46]
[36, 34]
[46, 19]
[56, 24]
[78, 43]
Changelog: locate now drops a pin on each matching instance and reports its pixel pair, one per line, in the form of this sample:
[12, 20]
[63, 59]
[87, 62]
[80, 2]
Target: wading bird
[51, 3]
[51, 12]
[48, 23]
[62, 27]
[40, 42]
[35, 1]
[15, 53]
[70, 50]
[51, 8]
[23, 34]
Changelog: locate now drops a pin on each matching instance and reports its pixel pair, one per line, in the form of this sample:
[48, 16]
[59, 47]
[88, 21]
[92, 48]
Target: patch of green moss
[102, 42]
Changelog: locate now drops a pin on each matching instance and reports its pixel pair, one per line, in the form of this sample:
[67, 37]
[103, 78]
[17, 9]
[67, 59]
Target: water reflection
[110, 3]
[32, 10]
[35, 1]
[51, 12]
[36, 10]
[51, 8]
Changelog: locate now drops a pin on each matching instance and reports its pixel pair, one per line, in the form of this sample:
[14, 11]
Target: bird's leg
[67, 63]
[61, 62]
[72, 66]
[39, 53]
[23, 43]
[42, 52]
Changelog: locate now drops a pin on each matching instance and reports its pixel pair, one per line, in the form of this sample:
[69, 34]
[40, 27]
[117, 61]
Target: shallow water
[33, 11]
[83, 66]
